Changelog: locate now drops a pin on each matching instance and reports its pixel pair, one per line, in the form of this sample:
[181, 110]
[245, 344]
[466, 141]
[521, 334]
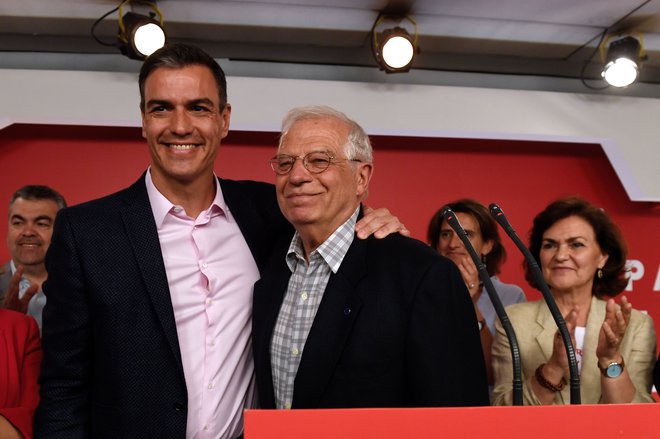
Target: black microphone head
[495, 210]
[446, 210]
[451, 218]
[498, 214]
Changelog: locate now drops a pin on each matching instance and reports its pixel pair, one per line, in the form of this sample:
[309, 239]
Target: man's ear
[363, 176]
[225, 115]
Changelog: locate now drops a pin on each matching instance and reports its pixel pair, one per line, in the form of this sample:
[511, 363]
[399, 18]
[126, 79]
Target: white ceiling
[539, 40]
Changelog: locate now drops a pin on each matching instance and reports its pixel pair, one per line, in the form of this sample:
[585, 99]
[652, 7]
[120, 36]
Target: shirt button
[177, 209]
[204, 265]
[209, 301]
[210, 386]
[206, 428]
[212, 343]
[304, 295]
[295, 351]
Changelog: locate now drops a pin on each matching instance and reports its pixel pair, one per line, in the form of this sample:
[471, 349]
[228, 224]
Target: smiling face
[451, 246]
[30, 230]
[184, 123]
[570, 256]
[320, 202]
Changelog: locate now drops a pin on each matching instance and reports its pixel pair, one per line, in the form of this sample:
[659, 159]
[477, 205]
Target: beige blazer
[535, 329]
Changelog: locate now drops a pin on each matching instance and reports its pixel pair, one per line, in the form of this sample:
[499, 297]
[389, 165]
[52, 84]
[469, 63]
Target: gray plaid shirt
[302, 300]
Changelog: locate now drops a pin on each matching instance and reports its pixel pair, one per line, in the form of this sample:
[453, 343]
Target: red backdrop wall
[413, 178]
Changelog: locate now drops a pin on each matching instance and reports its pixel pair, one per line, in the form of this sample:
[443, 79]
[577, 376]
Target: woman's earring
[599, 273]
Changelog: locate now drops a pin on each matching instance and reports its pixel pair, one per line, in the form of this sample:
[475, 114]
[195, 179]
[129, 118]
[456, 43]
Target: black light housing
[396, 49]
[139, 35]
[623, 62]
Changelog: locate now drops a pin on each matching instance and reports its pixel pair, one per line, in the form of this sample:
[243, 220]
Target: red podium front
[638, 421]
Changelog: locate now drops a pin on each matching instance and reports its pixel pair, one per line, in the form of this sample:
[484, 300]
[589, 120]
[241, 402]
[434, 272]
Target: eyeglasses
[314, 162]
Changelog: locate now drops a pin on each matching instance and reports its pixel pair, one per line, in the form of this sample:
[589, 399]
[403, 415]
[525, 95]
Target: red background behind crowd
[413, 178]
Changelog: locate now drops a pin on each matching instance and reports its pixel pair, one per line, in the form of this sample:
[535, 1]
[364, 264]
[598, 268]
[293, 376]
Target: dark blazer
[395, 328]
[112, 365]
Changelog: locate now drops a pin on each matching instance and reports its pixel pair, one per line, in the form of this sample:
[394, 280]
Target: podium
[638, 421]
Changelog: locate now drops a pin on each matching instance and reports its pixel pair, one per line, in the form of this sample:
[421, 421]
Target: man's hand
[11, 299]
[380, 223]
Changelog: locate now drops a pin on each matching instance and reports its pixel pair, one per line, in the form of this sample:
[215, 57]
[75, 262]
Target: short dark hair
[38, 192]
[177, 56]
[487, 226]
[608, 236]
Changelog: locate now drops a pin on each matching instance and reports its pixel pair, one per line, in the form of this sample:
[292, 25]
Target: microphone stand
[452, 220]
[497, 213]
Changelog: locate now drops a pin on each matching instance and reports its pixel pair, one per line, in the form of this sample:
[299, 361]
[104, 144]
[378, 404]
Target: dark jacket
[395, 328]
[112, 365]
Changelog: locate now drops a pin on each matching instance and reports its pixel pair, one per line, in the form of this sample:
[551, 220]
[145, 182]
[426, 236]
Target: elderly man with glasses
[342, 322]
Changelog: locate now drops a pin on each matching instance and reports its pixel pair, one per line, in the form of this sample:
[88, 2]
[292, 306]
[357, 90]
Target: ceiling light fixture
[138, 35]
[396, 49]
[623, 60]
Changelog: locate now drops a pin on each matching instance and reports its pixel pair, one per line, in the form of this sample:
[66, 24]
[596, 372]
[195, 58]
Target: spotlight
[139, 35]
[396, 49]
[622, 62]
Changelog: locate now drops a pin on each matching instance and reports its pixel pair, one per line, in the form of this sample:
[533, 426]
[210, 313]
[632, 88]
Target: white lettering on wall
[636, 270]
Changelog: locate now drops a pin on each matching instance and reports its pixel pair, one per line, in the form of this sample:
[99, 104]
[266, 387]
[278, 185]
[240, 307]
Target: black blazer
[112, 365]
[395, 328]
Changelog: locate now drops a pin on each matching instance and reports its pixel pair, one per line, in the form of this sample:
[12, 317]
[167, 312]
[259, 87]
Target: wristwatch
[613, 370]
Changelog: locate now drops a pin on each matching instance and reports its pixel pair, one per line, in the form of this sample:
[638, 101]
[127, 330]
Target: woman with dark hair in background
[483, 234]
[583, 259]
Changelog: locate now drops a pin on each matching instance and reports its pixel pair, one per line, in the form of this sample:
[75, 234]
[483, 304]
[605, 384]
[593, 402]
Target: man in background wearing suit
[148, 320]
[341, 322]
[32, 211]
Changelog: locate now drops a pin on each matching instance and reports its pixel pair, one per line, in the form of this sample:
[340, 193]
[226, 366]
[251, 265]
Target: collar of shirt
[332, 250]
[161, 206]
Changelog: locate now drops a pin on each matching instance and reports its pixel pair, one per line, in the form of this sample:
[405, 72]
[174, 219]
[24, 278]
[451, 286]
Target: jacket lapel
[548, 330]
[332, 326]
[268, 296]
[143, 236]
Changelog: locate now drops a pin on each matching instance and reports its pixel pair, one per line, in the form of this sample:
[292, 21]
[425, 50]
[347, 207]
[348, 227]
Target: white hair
[358, 145]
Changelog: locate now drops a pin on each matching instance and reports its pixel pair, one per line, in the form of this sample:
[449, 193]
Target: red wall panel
[413, 178]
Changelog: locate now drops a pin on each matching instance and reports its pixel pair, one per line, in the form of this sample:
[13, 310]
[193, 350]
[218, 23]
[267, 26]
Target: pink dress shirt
[211, 273]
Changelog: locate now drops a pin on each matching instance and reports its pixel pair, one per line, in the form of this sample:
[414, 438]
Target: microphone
[449, 216]
[497, 213]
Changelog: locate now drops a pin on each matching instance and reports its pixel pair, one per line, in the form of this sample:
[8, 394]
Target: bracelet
[547, 384]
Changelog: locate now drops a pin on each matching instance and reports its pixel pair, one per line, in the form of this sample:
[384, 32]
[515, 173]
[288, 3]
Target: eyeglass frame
[331, 159]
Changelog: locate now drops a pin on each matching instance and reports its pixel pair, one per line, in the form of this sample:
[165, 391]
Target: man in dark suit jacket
[113, 364]
[339, 322]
